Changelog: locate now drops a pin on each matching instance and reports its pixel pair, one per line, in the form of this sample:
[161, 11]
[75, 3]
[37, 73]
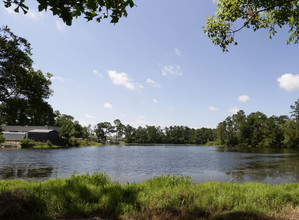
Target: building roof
[41, 130]
[16, 128]
[13, 133]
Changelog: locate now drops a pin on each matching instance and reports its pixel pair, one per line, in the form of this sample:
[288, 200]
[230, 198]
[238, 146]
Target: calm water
[138, 163]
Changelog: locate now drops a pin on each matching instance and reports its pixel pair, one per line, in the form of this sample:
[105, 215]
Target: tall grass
[86, 196]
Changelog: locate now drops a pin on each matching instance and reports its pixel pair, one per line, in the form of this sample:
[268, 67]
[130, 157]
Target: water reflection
[25, 172]
[138, 163]
[265, 165]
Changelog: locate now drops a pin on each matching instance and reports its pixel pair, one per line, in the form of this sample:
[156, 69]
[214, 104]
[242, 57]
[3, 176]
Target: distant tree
[154, 134]
[67, 10]
[2, 139]
[274, 131]
[295, 110]
[141, 135]
[130, 134]
[221, 133]
[23, 90]
[292, 127]
[291, 134]
[69, 128]
[119, 128]
[255, 14]
[103, 130]
[87, 132]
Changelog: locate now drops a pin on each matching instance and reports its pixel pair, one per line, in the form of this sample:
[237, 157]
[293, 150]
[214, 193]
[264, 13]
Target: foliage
[153, 134]
[103, 130]
[119, 128]
[168, 135]
[90, 9]
[2, 139]
[73, 142]
[258, 130]
[26, 143]
[70, 129]
[254, 14]
[165, 197]
[22, 89]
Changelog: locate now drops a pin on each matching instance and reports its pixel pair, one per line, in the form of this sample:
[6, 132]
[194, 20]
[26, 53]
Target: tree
[292, 127]
[23, 90]
[119, 128]
[255, 14]
[68, 9]
[295, 110]
[103, 130]
[129, 134]
[70, 129]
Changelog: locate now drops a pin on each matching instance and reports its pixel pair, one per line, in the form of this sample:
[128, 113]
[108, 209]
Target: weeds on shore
[164, 197]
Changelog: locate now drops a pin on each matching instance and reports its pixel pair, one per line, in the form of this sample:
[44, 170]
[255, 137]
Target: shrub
[26, 142]
[73, 141]
[2, 139]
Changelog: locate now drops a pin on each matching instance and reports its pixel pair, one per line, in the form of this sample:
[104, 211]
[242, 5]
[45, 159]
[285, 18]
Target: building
[38, 133]
[14, 136]
[43, 135]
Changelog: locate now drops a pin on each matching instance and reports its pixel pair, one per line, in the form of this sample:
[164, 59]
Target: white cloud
[87, 123]
[60, 25]
[31, 14]
[233, 110]
[138, 85]
[10, 10]
[289, 82]
[96, 73]
[107, 105]
[212, 108]
[172, 70]
[177, 52]
[59, 78]
[34, 15]
[141, 121]
[123, 80]
[152, 83]
[155, 101]
[89, 116]
[243, 98]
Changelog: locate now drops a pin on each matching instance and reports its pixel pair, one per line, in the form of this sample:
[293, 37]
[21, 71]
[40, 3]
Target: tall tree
[234, 15]
[68, 9]
[119, 128]
[292, 127]
[103, 130]
[23, 90]
[295, 110]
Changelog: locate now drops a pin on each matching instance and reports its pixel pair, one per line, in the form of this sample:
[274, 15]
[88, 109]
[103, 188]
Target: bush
[26, 142]
[2, 139]
[73, 142]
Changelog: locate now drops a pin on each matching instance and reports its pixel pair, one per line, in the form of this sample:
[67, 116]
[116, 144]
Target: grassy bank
[28, 143]
[166, 197]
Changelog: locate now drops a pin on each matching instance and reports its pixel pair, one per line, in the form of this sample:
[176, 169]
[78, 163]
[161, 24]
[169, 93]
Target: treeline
[153, 134]
[253, 130]
[258, 130]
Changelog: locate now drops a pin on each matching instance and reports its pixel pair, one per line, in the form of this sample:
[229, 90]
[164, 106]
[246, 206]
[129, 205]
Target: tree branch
[259, 11]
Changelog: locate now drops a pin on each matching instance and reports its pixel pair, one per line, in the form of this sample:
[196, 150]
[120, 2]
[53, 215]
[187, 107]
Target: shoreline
[44, 145]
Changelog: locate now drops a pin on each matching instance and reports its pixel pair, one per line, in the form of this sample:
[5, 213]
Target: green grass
[165, 197]
[28, 143]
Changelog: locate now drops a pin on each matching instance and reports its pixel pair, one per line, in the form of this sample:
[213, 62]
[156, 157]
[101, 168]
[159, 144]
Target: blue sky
[157, 67]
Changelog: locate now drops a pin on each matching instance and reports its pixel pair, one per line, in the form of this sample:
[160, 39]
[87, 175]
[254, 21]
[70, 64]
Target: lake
[138, 163]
